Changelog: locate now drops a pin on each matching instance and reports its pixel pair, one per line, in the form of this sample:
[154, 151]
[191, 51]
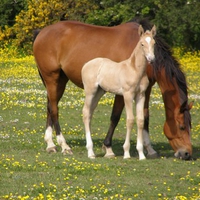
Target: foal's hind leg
[55, 85]
[92, 96]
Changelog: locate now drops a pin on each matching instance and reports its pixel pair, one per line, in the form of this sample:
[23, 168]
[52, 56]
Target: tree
[177, 21]
[9, 9]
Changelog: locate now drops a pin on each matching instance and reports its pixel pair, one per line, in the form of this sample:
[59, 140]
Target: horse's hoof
[142, 159]
[109, 155]
[153, 156]
[91, 157]
[67, 152]
[51, 149]
[127, 157]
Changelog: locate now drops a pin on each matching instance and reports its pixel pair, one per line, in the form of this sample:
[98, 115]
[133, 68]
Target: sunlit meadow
[27, 171]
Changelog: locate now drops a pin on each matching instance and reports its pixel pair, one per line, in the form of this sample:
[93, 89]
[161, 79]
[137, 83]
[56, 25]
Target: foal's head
[147, 42]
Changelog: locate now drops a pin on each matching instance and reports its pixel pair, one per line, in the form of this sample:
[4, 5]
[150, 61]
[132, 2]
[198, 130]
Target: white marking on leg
[62, 142]
[147, 144]
[48, 139]
[128, 100]
[126, 146]
[139, 146]
[140, 124]
[89, 145]
[109, 152]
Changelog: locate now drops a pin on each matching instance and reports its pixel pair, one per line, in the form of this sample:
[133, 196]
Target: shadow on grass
[163, 149]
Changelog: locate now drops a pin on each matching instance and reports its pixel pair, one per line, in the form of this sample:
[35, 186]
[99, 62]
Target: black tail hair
[35, 33]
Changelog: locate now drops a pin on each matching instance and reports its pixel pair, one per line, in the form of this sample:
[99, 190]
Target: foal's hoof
[153, 156]
[67, 152]
[51, 149]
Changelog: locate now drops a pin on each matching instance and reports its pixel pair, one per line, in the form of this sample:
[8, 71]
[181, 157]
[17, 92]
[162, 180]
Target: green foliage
[9, 9]
[177, 21]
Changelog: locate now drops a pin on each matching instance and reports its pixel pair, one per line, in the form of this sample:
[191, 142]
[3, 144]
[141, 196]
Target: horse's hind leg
[55, 85]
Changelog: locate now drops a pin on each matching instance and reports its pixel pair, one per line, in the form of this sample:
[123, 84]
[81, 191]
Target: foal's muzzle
[150, 58]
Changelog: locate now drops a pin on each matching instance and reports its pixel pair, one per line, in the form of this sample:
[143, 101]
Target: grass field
[27, 171]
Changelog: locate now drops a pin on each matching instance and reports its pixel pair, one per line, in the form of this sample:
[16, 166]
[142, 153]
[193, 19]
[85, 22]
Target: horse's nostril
[187, 156]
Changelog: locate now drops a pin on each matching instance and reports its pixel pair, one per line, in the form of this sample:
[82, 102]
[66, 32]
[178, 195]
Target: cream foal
[127, 78]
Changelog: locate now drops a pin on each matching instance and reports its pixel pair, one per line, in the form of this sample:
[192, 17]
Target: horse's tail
[35, 33]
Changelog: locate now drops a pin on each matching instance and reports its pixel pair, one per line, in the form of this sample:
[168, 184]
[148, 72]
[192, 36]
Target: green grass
[27, 171]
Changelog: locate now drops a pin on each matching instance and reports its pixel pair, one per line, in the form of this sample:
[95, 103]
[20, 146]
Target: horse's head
[178, 133]
[147, 42]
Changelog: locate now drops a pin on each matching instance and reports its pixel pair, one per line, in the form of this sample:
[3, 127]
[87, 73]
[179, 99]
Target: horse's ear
[140, 30]
[190, 105]
[184, 106]
[153, 30]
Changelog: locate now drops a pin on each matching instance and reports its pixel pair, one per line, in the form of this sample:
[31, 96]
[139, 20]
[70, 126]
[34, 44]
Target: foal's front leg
[128, 100]
[140, 98]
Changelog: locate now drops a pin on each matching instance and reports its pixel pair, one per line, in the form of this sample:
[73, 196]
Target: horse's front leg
[151, 153]
[140, 98]
[114, 119]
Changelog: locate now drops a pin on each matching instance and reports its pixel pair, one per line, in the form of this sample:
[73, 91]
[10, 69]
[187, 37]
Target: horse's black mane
[164, 58]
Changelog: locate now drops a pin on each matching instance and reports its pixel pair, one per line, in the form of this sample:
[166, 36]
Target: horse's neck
[138, 59]
[170, 94]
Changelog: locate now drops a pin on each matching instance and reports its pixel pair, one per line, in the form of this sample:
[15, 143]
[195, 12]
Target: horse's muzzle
[183, 155]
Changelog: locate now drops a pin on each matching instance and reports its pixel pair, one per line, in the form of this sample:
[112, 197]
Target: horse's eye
[142, 44]
[182, 127]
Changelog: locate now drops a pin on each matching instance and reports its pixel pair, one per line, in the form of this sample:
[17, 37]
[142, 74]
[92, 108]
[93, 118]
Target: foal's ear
[140, 30]
[153, 31]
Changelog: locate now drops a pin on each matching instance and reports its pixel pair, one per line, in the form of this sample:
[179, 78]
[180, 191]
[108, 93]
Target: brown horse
[127, 78]
[60, 52]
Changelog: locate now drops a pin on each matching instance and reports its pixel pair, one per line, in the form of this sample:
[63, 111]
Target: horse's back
[69, 44]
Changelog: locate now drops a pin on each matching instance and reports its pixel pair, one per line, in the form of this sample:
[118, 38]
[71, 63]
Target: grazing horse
[127, 78]
[61, 50]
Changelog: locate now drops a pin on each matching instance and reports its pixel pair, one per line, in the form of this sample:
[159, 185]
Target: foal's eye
[142, 44]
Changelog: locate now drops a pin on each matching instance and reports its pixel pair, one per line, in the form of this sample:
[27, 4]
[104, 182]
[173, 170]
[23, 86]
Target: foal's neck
[138, 59]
